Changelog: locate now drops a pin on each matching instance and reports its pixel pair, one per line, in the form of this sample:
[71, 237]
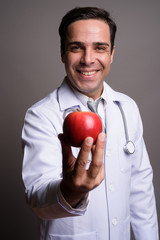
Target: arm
[42, 164]
[142, 199]
[42, 169]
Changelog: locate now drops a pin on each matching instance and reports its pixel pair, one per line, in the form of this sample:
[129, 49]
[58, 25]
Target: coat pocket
[86, 236]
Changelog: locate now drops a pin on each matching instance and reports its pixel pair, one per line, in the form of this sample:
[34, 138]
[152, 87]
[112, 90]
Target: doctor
[94, 192]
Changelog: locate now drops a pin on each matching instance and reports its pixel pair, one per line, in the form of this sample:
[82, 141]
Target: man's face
[87, 56]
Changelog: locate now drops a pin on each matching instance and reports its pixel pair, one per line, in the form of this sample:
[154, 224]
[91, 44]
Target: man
[94, 192]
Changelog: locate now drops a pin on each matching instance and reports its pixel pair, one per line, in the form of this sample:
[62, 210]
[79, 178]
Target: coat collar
[114, 96]
[67, 99]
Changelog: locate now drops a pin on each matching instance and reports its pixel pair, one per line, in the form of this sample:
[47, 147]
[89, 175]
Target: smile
[88, 73]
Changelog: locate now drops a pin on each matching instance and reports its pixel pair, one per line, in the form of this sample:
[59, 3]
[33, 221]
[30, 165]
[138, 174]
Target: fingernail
[89, 141]
[102, 136]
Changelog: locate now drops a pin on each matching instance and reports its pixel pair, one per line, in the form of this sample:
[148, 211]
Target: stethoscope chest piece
[129, 147]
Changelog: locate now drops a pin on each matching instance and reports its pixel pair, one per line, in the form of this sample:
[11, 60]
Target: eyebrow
[83, 44]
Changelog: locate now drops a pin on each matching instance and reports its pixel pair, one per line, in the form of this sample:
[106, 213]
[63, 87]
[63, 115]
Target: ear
[112, 54]
[62, 56]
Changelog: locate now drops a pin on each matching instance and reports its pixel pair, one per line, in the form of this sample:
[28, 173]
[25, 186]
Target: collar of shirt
[65, 91]
[83, 98]
[101, 106]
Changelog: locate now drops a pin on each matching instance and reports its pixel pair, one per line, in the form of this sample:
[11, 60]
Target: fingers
[80, 167]
[80, 178]
[97, 161]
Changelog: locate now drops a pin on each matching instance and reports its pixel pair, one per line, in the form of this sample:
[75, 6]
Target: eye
[101, 48]
[75, 48]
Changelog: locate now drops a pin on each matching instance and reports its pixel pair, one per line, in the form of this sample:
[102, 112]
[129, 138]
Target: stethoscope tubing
[129, 147]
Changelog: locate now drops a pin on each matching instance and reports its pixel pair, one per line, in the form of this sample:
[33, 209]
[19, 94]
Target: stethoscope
[129, 146]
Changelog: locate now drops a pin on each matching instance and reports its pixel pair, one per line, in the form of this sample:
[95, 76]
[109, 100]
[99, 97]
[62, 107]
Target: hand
[77, 181]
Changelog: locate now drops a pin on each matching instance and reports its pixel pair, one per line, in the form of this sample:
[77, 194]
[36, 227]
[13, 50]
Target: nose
[88, 57]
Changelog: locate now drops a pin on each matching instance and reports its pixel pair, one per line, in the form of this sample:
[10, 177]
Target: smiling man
[92, 192]
[87, 56]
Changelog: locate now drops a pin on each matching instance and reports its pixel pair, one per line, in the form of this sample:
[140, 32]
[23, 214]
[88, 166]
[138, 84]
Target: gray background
[31, 68]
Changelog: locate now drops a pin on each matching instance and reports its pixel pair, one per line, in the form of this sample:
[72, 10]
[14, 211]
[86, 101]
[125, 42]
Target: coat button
[107, 153]
[111, 187]
[114, 221]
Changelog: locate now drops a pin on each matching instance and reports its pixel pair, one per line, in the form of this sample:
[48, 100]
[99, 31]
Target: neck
[94, 95]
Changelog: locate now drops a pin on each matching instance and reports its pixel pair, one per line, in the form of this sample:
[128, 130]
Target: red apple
[79, 125]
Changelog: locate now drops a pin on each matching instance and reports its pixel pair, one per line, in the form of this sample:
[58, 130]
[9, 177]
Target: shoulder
[46, 108]
[49, 101]
[116, 96]
[128, 104]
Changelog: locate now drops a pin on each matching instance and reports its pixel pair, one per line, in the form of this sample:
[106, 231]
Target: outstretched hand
[77, 180]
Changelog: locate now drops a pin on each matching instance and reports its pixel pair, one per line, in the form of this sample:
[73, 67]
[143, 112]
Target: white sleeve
[81, 206]
[142, 198]
[42, 167]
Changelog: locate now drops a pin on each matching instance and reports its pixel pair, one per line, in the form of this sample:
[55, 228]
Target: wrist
[72, 197]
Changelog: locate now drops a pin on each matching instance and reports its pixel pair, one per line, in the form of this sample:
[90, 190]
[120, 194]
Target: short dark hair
[84, 13]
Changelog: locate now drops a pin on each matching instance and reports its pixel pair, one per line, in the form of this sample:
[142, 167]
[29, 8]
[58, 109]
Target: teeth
[88, 73]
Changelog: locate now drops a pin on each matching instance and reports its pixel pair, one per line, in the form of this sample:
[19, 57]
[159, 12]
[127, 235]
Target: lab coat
[125, 196]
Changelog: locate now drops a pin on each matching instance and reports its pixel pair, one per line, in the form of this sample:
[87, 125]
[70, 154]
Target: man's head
[87, 48]
[84, 13]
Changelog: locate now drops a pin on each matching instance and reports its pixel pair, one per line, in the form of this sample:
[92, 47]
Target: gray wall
[31, 68]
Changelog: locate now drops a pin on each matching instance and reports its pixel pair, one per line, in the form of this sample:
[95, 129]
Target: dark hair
[81, 13]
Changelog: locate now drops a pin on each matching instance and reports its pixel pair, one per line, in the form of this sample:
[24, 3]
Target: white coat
[125, 196]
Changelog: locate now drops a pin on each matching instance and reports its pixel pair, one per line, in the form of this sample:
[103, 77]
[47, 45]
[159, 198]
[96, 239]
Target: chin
[88, 88]
[92, 93]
